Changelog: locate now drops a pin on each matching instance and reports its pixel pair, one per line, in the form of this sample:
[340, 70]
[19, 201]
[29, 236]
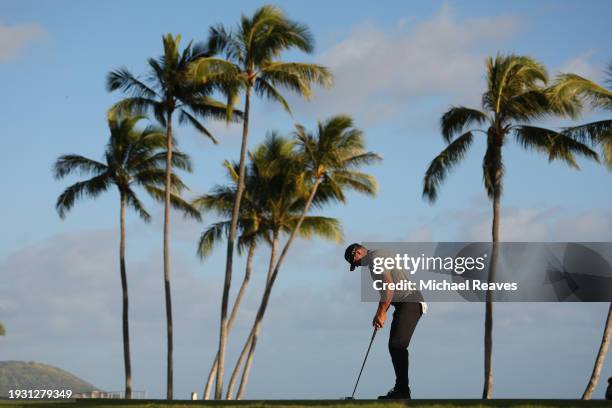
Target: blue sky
[397, 68]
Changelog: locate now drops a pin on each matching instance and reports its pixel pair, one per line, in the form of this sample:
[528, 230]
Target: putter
[363, 365]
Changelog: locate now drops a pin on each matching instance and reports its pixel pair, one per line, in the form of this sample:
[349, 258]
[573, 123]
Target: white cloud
[586, 226]
[517, 224]
[581, 65]
[525, 224]
[377, 69]
[74, 279]
[421, 234]
[14, 38]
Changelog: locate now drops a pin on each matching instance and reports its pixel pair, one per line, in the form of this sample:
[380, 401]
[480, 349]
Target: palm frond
[157, 177]
[532, 105]
[215, 233]
[220, 200]
[323, 227]
[594, 132]
[572, 85]
[245, 241]
[136, 205]
[137, 106]
[264, 89]
[511, 75]
[357, 181]
[89, 188]
[607, 153]
[457, 119]
[185, 116]
[210, 108]
[442, 163]
[212, 69]
[296, 77]
[223, 41]
[176, 201]
[123, 79]
[180, 161]
[557, 145]
[232, 170]
[363, 159]
[71, 163]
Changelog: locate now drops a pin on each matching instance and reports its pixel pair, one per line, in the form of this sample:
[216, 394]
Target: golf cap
[349, 254]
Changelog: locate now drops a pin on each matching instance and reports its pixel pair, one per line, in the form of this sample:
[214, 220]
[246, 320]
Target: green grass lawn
[514, 403]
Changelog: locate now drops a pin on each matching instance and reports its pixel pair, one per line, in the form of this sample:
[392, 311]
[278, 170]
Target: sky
[397, 67]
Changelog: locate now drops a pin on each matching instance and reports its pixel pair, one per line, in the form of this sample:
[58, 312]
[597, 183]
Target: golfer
[408, 309]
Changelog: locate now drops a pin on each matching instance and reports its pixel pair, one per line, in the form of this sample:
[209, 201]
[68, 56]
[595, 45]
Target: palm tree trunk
[268, 291]
[601, 356]
[169, 373]
[243, 354]
[487, 392]
[124, 291]
[230, 323]
[230, 249]
[247, 367]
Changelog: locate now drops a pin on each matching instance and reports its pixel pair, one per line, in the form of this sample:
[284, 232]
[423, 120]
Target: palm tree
[132, 158]
[261, 218]
[253, 51]
[516, 95]
[170, 88]
[324, 168]
[598, 134]
[221, 202]
[2, 330]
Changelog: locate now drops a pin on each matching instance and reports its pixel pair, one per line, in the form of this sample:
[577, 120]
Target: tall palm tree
[516, 95]
[326, 165]
[253, 64]
[168, 89]
[132, 158]
[598, 134]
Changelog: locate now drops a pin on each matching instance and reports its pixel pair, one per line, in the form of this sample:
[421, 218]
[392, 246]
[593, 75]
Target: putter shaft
[364, 361]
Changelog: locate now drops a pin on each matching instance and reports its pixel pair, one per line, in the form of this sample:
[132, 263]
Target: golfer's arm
[385, 296]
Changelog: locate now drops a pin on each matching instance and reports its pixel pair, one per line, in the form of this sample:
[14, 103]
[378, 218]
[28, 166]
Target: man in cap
[409, 306]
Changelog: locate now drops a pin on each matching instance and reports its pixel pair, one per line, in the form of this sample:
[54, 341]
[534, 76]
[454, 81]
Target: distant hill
[29, 375]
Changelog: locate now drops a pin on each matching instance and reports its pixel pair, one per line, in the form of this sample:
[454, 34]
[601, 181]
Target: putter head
[348, 398]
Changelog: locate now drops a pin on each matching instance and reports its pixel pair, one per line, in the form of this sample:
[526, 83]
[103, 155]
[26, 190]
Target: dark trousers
[405, 318]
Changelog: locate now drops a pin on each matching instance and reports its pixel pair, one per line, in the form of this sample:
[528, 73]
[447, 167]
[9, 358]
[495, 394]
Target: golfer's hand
[379, 319]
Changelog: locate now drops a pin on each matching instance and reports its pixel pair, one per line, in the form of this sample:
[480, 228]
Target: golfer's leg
[405, 319]
[396, 354]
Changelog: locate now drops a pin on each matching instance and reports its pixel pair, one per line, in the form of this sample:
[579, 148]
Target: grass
[512, 403]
